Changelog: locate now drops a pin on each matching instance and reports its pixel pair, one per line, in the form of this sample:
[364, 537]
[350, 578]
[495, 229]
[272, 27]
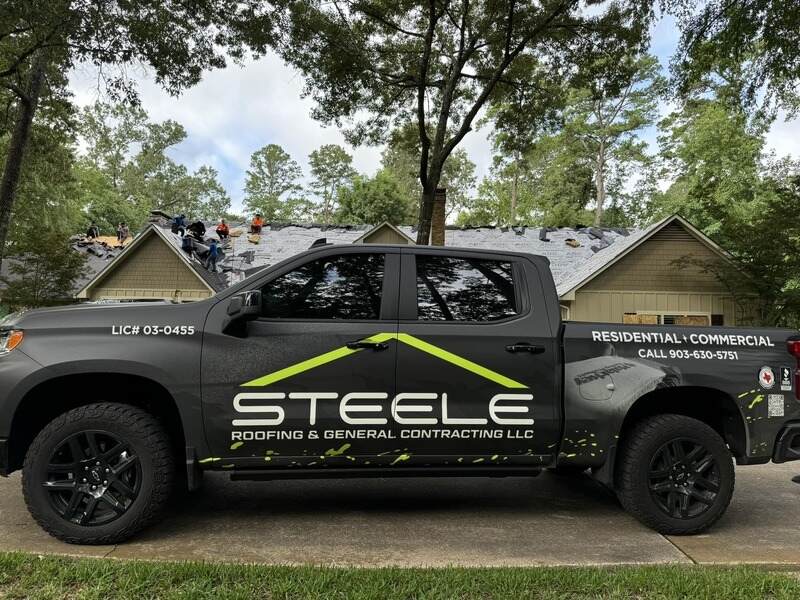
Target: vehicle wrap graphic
[405, 338]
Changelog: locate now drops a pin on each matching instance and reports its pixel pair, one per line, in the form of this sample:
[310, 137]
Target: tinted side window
[464, 289]
[337, 287]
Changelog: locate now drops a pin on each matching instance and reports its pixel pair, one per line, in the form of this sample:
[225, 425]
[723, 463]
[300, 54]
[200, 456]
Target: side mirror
[245, 306]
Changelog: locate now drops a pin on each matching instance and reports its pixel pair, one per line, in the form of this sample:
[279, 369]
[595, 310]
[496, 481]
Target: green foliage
[272, 187]
[372, 201]
[746, 201]
[762, 35]
[43, 273]
[331, 167]
[401, 158]
[379, 65]
[126, 171]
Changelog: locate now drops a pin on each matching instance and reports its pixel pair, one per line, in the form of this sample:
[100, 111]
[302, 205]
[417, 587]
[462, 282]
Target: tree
[372, 201]
[437, 64]
[762, 35]
[272, 184]
[43, 274]
[331, 166]
[126, 172]
[549, 185]
[746, 200]
[210, 200]
[41, 41]
[401, 159]
[617, 101]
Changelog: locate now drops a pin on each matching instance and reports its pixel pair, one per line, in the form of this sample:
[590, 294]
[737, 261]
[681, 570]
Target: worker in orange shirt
[222, 230]
[257, 224]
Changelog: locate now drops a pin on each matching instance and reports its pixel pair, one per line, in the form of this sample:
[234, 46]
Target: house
[602, 274]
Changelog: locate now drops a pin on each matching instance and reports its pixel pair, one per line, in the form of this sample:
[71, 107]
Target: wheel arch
[712, 406]
[37, 408]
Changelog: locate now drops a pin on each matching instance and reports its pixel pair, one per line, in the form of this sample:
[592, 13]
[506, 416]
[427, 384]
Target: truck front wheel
[98, 474]
[675, 474]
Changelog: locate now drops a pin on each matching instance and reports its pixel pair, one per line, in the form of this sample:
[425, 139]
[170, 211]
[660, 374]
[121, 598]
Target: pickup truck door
[273, 392]
[477, 361]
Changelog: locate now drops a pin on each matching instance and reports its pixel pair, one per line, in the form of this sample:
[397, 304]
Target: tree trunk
[600, 183]
[16, 148]
[514, 192]
[425, 216]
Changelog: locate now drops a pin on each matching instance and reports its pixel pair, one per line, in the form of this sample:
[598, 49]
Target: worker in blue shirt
[211, 259]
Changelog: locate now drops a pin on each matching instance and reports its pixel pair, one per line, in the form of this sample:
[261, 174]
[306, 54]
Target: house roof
[601, 261]
[278, 242]
[576, 255]
[152, 229]
[360, 239]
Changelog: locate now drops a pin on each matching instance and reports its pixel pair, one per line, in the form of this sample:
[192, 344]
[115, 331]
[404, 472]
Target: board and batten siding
[150, 272]
[654, 277]
[652, 266]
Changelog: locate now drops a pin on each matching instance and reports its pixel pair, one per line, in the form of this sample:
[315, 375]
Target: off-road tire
[634, 474]
[147, 439]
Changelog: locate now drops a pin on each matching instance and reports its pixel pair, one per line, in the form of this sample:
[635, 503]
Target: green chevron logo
[410, 340]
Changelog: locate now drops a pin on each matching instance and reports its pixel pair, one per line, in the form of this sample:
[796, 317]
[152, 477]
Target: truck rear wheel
[98, 474]
[675, 474]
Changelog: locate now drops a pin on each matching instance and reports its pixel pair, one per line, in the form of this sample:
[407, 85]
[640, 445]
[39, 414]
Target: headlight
[10, 339]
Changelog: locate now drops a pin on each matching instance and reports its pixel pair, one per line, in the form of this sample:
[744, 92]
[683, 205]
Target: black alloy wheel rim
[92, 478]
[684, 478]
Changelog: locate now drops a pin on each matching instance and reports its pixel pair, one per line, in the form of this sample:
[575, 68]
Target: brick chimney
[437, 218]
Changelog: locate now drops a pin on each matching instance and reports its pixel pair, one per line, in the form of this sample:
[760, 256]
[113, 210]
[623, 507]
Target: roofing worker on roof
[211, 257]
[257, 224]
[93, 231]
[222, 230]
[198, 230]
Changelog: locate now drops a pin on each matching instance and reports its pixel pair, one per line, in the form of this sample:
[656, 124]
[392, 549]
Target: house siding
[385, 235]
[611, 306]
[652, 267]
[151, 271]
[648, 280]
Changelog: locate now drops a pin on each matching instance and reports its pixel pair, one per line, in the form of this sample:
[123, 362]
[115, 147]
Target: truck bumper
[787, 445]
[3, 457]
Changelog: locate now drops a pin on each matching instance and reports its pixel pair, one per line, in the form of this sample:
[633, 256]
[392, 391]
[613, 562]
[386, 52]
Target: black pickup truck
[377, 361]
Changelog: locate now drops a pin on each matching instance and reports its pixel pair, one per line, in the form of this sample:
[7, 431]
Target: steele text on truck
[377, 361]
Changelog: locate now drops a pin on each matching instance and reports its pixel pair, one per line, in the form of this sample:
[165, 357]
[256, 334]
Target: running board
[356, 472]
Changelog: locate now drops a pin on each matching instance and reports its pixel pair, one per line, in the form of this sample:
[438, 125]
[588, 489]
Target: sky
[233, 112]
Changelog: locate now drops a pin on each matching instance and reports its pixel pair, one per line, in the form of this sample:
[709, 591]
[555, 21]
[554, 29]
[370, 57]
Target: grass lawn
[31, 576]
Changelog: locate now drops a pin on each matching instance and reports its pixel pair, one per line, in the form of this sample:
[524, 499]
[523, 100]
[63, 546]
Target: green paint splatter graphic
[755, 401]
[210, 459]
[477, 460]
[401, 458]
[228, 466]
[331, 452]
[236, 445]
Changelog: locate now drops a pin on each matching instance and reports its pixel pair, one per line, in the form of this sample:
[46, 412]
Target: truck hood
[76, 315]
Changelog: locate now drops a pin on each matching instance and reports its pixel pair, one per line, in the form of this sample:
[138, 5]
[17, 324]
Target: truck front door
[477, 361]
[307, 383]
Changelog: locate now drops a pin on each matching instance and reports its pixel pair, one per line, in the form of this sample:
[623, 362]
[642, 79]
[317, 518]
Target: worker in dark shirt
[198, 230]
[211, 257]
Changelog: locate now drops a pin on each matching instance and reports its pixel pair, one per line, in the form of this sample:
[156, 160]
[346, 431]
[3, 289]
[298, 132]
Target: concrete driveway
[548, 520]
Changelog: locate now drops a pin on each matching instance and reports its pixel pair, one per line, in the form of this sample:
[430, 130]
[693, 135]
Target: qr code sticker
[775, 405]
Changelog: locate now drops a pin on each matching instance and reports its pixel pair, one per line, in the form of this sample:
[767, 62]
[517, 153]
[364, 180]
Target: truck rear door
[477, 361]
